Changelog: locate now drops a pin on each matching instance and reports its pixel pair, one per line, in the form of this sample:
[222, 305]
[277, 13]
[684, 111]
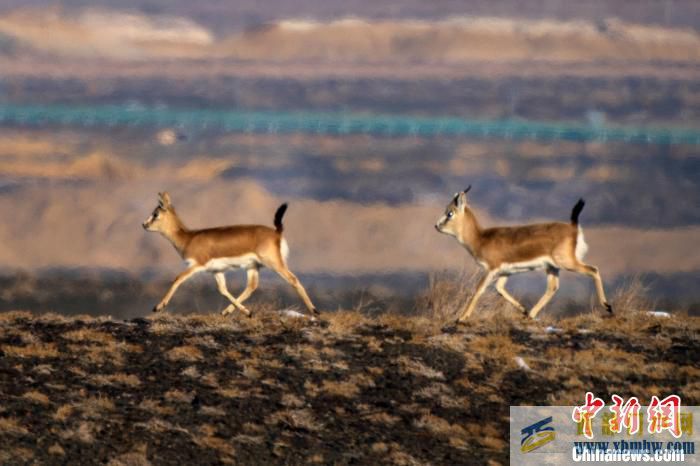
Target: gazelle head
[451, 221]
[163, 219]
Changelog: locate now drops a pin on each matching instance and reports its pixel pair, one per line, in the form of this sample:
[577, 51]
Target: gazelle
[504, 251]
[215, 250]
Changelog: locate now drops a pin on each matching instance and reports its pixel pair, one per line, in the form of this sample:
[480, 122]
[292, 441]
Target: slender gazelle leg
[481, 287]
[277, 264]
[251, 285]
[593, 272]
[501, 288]
[552, 287]
[235, 304]
[179, 280]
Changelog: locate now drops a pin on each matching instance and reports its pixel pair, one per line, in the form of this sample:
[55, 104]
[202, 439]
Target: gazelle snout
[148, 223]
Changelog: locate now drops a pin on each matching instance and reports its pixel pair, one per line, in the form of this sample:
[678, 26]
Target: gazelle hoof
[608, 308]
[315, 311]
[157, 308]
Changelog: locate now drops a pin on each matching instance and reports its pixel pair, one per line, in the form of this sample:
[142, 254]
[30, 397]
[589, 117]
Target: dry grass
[418, 368]
[36, 397]
[154, 406]
[64, 412]
[297, 419]
[34, 350]
[11, 426]
[56, 450]
[343, 322]
[84, 433]
[188, 353]
[179, 396]
[343, 375]
[95, 407]
[135, 458]
[348, 389]
[89, 335]
[121, 378]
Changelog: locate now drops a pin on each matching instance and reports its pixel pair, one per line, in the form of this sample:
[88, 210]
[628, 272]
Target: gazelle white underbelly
[223, 263]
[538, 263]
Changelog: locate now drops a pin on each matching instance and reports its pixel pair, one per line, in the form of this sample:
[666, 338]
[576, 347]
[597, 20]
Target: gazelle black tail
[278, 217]
[576, 211]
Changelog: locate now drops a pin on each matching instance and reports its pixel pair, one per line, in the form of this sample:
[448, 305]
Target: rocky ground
[280, 389]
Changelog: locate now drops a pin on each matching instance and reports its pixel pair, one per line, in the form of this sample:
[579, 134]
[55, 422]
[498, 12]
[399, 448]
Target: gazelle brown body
[504, 251]
[215, 250]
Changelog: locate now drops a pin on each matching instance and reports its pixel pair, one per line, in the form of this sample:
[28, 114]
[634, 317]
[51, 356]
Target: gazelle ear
[461, 199]
[164, 199]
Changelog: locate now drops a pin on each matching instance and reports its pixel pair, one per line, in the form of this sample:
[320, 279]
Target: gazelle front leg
[501, 288]
[552, 287]
[481, 287]
[221, 283]
[179, 280]
[251, 284]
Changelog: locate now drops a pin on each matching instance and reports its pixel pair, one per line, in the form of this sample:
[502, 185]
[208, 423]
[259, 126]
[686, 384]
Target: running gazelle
[504, 251]
[217, 249]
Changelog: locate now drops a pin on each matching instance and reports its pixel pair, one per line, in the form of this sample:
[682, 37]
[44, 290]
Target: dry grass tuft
[12, 316]
[343, 322]
[418, 368]
[440, 426]
[11, 426]
[633, 296]
[95, 406]
[91, 335]
[63, 412]
[56, 450]
[187, 353]
[121, 378]
[34, 350]
[179, 396]
[154, 406]
[347, 389]
[297, 419]
[84, 433]
[130, 459]
[205, 436]
[495, 346]
[36, 397]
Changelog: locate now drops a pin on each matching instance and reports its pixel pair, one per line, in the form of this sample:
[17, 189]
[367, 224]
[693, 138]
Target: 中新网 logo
[536, 435]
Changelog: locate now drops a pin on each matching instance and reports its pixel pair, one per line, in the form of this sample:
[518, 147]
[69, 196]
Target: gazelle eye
[450, 214]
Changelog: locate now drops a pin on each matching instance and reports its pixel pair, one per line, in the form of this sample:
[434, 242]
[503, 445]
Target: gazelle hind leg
[594, 273]
[501, 288]
[552, 287]
[221, 284]
[251, 285]
[278, 265]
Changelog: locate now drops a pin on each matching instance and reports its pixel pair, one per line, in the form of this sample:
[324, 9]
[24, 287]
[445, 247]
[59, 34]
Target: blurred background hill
[72, 196]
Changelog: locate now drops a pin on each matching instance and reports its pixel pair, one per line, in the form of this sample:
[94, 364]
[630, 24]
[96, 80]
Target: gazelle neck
[177, 234]
[471, 232]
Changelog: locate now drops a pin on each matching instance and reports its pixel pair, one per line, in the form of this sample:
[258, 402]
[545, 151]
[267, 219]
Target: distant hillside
[116, 35]
[225, 17]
